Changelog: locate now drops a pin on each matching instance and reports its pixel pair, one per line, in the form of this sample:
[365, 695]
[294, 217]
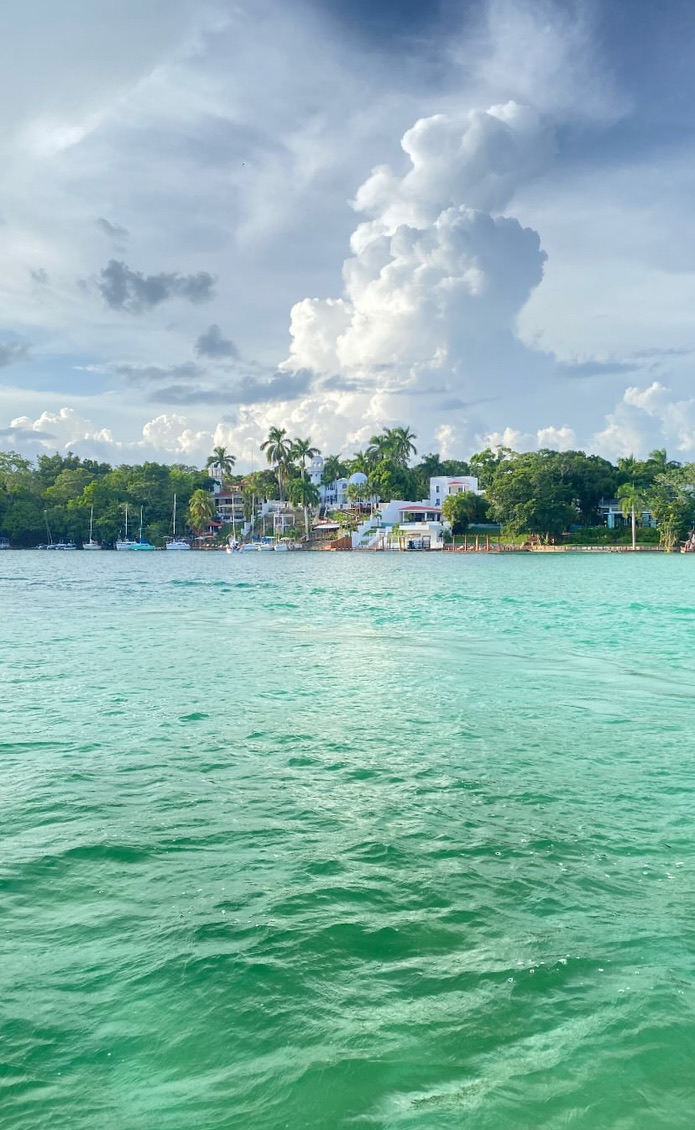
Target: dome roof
[357, 478]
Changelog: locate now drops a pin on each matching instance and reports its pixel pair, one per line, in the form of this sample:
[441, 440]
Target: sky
[471, 218]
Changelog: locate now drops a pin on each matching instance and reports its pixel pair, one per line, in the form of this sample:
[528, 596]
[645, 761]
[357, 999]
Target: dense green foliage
[544, 493]
[57, 493]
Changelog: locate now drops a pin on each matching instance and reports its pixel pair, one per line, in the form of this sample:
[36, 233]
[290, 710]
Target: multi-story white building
[229, 504]
[333, 495]
[441, 486]
[402, 525]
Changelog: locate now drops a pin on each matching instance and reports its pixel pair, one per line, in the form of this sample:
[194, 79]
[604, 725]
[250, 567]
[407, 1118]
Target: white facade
[401, 525]
[441, 486]
[314, 470]
[334, 495]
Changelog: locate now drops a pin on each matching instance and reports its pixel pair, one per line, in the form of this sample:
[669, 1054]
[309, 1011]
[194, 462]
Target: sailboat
[91, 544]
[174, 542]
[55, 544]
[130, 543]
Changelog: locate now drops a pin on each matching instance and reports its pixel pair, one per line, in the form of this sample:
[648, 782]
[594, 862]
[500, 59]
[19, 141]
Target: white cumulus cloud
[436, 275]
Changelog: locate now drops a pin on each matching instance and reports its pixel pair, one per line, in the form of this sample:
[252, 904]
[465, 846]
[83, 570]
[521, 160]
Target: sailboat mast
[91, 522]
[141, 523]
[174, 518]
[126, 521]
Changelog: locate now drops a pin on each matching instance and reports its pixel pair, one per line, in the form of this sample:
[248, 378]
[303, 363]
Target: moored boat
[91, 544]
[174, 542]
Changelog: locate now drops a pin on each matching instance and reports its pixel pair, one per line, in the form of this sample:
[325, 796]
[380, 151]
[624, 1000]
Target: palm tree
[360, 462]
[631, 503]
[302, 450]
[223, 460]
[305, 494]
[394, 443]
[201, 509]
[401, 441]
[278, 448]
[333, 469]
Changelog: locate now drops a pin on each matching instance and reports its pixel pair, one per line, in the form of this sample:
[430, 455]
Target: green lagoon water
[398, 842]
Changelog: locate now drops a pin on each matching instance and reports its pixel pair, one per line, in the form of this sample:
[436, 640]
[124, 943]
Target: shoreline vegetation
[545, 501]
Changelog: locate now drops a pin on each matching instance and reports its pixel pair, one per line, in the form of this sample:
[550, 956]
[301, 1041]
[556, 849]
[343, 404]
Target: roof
[419, 507]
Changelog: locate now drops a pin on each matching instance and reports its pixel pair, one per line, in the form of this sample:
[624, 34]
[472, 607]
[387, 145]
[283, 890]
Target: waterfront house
[441, 486]
[400, 524]
[229, 504]
[611, 512]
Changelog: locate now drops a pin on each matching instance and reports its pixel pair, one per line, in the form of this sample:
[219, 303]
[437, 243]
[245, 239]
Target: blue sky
[472, 218]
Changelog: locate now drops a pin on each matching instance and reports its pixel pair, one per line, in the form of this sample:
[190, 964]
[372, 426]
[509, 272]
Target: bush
[601, 535]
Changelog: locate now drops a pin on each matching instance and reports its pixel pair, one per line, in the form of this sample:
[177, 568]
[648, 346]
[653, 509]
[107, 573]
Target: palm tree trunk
[306, 522]
[634, 530]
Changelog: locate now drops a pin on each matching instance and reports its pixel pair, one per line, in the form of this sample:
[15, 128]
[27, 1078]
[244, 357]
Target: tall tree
[278, 448]
[333, 469]
[431, 466]
[462, 509]
[632, 502]
[201, 509]
[223, 460]
[528, 497]
[305, 494]
[302, 450]
[402, 445]
[484, 464]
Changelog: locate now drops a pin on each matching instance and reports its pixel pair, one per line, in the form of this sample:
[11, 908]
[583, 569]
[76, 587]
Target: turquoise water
[315, 841]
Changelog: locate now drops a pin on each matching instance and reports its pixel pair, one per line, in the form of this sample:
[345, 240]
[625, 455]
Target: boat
[266, 545]
[173, 542]
[4, 543]
[130, 543]
[63, 545]
[91, 544]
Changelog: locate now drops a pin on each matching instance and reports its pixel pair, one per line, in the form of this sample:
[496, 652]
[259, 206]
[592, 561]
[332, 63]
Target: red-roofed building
[441, 486]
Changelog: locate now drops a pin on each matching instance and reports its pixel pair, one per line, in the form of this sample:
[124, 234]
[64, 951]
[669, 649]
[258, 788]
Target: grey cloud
[132, 291]
[137, 374]
[39, 276]
[11, 352]
[114, 231]
[595, 368]
[249, 390]
[213, 344]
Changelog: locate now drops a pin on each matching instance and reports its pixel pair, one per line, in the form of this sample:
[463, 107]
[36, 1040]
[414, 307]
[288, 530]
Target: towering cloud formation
[437, 275]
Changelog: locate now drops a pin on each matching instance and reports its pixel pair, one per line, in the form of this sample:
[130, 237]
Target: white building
[612, 510]
[401, 525]
[441, 486]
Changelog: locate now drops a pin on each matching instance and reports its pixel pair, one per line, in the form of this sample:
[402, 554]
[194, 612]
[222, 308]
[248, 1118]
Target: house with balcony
[441, 486]
[229, 504]
[400, 524]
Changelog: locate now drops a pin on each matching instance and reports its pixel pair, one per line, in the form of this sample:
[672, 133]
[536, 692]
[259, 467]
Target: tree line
[544, 492]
